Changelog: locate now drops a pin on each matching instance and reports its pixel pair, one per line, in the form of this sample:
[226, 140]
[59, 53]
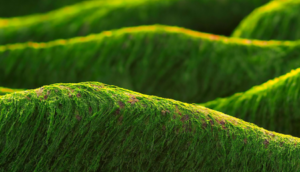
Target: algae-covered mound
[278, 20]
[273, 105]
[96, 16]
[92, 126]
[4, 90]
[157, 60]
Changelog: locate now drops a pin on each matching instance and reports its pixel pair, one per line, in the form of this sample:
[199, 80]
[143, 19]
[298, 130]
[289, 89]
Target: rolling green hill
[92, 126]
[277, 20]
[273, 105]
[96, 16]
[157, 60]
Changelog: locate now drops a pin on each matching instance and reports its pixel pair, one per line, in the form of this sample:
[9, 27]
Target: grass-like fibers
[92, 126]
[170, 62]
[277, 20]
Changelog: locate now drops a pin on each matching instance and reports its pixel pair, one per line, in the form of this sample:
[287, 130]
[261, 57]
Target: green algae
[149, 59]
[277, 20]
[4, 90]
[273, 105]
[92, 126]
[96, 16]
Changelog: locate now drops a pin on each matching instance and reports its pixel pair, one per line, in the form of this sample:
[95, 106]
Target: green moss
[276, 20]
[92, 126]
[156, 60]
[4, 90]
[96, 16]
[273, 105]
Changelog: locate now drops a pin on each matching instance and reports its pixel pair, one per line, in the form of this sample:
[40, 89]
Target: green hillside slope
[96, 16]
[273, 105]
[157, 60]
[91, 126]
[277, 20]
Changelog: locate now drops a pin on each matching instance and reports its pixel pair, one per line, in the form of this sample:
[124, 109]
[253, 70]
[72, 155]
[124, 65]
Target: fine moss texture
[96, 16]
[92, 126]
[273, 105]
[189, 66]
[277, 20]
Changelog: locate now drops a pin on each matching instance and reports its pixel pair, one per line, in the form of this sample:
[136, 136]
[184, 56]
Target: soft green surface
[98, 127]
[157, 60]
[277, 20]
[96, 16]
[273, 105]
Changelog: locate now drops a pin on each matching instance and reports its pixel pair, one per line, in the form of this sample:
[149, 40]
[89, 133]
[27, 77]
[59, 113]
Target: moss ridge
[92, 126]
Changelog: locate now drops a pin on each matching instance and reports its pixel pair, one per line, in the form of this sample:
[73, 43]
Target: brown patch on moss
[78, 117]
[211, 122]
[222, 122]
[121, 104]
[133, 100]
[204, 124]
[28, 98]
[39, 91]
[176, 130]
[174, 116]
[118, 111]
[177, 110]
[97, 86]
[187, 127]
[185, 118]
[281, 143]
[120, 120]
[90, 110]
[295, 143]
[45, 97]
[78, 95]
[271, 134]
[56, 91]
[266, 143]
[164, 127]
[165, 111]
[245, 140]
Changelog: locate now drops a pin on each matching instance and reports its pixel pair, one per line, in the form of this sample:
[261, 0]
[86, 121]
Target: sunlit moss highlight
[277, 20]
[4, 90]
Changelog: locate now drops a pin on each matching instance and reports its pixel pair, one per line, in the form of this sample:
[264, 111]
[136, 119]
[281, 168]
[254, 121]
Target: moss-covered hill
[91, 126]
[157, 60]
[96, 16]
[273, 105]
[276, 20]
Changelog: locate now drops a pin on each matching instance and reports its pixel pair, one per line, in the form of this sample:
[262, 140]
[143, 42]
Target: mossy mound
[96, 16]
[277, 20]
[148, 59]
[156, 60]
[273, 105]
[4, 90]
[92, 126]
